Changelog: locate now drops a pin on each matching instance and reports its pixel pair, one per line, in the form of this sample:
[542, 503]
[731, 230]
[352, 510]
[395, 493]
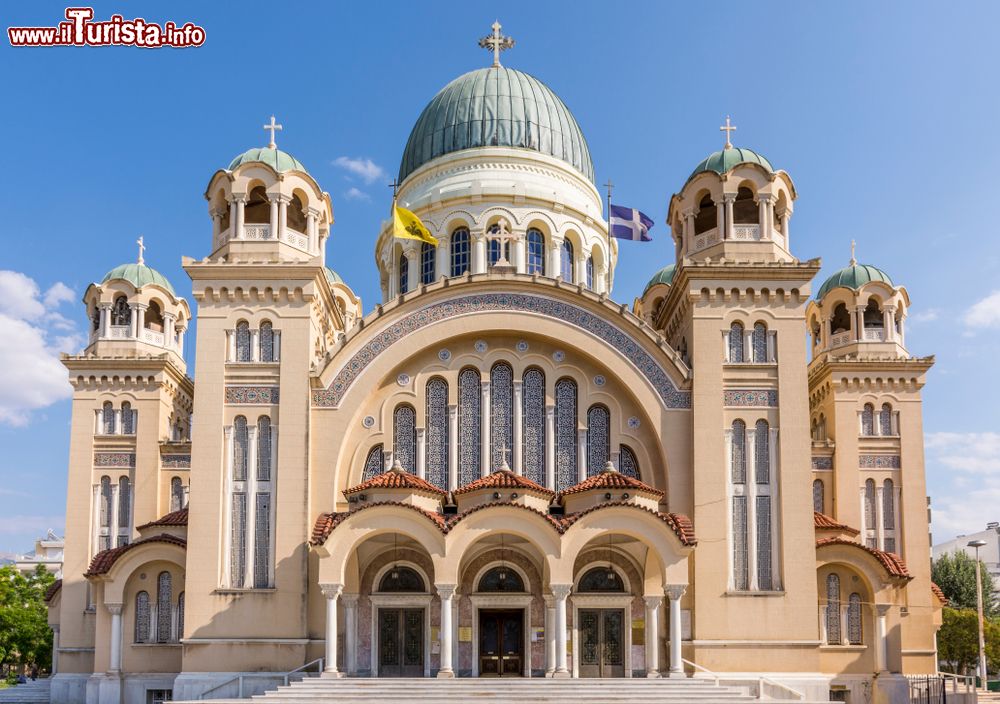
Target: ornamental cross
[395, 188]
[496, 43]
[142, 248]
[273, 127]
[504, 236]
[504, 453]
[854, 261]
[728, 129]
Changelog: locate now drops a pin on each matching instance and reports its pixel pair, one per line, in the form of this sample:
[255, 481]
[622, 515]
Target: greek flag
[630, 224]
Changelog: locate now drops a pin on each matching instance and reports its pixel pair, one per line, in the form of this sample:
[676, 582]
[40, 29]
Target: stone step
[36, 692]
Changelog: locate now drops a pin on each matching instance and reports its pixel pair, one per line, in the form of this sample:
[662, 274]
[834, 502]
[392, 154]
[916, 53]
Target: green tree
[25, 636]
[958, 641]
[955, 573]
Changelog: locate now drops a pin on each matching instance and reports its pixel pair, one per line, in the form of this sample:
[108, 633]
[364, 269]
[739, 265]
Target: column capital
[767, 198]
[115, 609]
[331, 591]
[452, 409]
[882, 609]
[550, 601]
[282, 198]
[350, 600]
[550, 409]
[561, 591]
[421, 432]
[105, 306]
[446, 591]
[728, 198]
[689, 212]
[239, 197]
[518, 385]
[652, 602]
[674, 591]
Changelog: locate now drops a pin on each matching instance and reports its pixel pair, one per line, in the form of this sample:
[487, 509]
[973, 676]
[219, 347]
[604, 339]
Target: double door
[400, 642]
[602, 642]
[501, 643]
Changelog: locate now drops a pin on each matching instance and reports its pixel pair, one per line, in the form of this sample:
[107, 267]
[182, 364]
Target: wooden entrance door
[602, 642]
[400, 642]
[501, 643]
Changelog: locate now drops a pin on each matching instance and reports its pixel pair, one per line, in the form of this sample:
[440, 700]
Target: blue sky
[883, 113]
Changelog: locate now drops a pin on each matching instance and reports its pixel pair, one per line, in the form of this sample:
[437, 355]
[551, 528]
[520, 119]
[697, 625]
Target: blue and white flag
[630, 224]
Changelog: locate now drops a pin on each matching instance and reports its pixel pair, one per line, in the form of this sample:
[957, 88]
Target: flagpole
[607, 273]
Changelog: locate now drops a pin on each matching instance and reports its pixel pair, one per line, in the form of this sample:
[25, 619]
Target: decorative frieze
[823, 462]
[767, 398]
[878, 461]
[175, 461]
[257, 395]
[114, 459]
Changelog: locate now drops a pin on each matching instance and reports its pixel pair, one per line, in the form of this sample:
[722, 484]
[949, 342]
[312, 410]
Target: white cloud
[353, 193]
[984, 313]
[924, 316]
[971, 494]
[17, 525]
[34, 333]
[362, 167]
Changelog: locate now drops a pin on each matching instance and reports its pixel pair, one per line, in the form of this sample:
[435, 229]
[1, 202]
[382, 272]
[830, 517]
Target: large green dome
[853, 277]
[663, 276]
[725, 160]
[275, 158]
[139, 275]
[496, 107]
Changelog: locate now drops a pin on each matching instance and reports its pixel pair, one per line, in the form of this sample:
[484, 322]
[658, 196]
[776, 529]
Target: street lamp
[979, 607]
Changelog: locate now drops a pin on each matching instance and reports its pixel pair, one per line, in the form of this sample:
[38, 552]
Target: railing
[153, 337]
[777, 690]
[699, 668]
[120, 332]
[257, 231]
[239, 680]
[842, 338]
[746, 232]
[262, 231]
[933, 689]
[874, 334]
[705, 239]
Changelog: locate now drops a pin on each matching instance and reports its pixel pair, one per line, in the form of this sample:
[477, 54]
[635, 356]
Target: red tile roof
[176, 518]
[611, 479]
[395, 479]
[105, 560]
[326, 522]
[891, 562]
[680, 524]
[503, 479]
[936, 591]
[824, 522]
[54, 588]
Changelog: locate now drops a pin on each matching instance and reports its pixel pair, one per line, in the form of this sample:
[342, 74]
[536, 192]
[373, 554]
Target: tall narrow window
[868, 420]
[469, 425]
[106, 508]
[176, 494]
[263, 500]
[833, 635]
[243, 341]
[267, 342]
[374, 463]
[404, 437]
[238, 516]
[536, 252]
[128, 424]
[736, 343]
[566, 262]
[738, 484]
[566, 439]
[818, 498]
[760, 343]
[889, 515]
[738, 460]
[885, 420]
[598, 439]
[763, 504]
[854, 629]
[108, 418]
[590, 273]
[459, 251]
[501, 415]
[142, 617]
[436, 441]
[762, 452]
[628, 464]
[871, 514]
[180, 615]
[533, 398]
[263, 449]
[163, 614]
[428, 257]
[124, 511]
[404, 274]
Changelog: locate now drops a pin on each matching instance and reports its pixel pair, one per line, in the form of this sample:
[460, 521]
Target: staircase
[314, 690]
[36, 692]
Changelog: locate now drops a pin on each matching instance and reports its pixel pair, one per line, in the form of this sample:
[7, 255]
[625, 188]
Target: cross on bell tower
[273, 127]
[729, 128]
[142, 248]
[496, 43]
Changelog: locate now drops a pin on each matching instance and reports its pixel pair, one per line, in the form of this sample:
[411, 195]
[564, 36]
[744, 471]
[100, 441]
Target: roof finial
[854, 262]
[728, 128]
[273, 127]
[142, 248]
[496, 43]
[609, 467]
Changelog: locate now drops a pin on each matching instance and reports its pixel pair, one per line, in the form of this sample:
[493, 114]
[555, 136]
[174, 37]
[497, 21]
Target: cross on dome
[142, 248]
[273, 127]
[728, 128]
[496, 43]
[854, 260]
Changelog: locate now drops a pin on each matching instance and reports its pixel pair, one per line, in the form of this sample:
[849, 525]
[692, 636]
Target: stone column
[720, 219]
[105, 320]
[518, 430]
[550, 446]
[311, 214]
[786, 217]
[560, 592]
[446, 593]
[888, 317]
[762, 216]
[452, 446]
[550, 634]
[674, 593]
[115, 665]
[443, 252]
[216, 215]
[479, 255]
[254, 345]
[55, 650]
[273, 234]
[168, 329]
[412, 251]
[350, 633]
[484, 444]
[555, 256]
[241, 201]
[519, 252]
[331, 592]
[133, 321]
[581, 267]
[282, 217]
[581, 455]
[729, 199]
[421, 460]
[859, 326]
[653, 636]
[881, 638]
[768, 232]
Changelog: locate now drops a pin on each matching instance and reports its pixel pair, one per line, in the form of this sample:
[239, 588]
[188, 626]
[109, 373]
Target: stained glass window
[871, 511]
[243, 341]
[601, 579]
[262, 541]
[108, 418]
[106, 508]
[400, 578]
[128, 427]
[764, 580]
[238, 538]
[436, 441]
[264, 449]
[240, 448]
[163, 615]
[762, 452]
[818, 504]
[404, 437]
[760, 343]
[566, 262]
[180, 615]
[533, 399]
[566, 438]
[598, 439]
[628, 464]
[501, 414]
[888, 505]
[536, 252]
[854, 630]
[736, 343]
[428, 257]
[459, 251]
[374, 463]
[590, 273]
[267, 342]
[124, 504]
[741, 572]
[469, 427]
[885, 420]
[833, 636]
[738, 457]
[176, 494]
[501, 579]
[142, 617]
[868, 420]
[404, 274]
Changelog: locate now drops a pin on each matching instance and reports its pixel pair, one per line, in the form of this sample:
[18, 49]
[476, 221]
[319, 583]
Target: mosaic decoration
[627, 463]
[822, 463]
[469, 426]
[559, 355]
[403, 379]
[374, 463]
[481, 346]
[368, 422]
[879, 461]
[444, 355]
[599, 380]
[533, 400]
[522, 346]
[767, 398]
[256, 395]
[404, 433]
[436, 439]
[501, 415]
[566, 441]
[175, 461]
[634, 422]
[114, 459]
[566, 312]
[598, 439]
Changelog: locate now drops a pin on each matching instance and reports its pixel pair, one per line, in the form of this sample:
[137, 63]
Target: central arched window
[598, 439]
[841, 321]
[566, 437]
[745, 209]
[428, 260]
[601, 579]
[833, 633]
[121, 313]
[404, 274]
[400, 578]
[536, 252]
[566, 262]
[436, 445]
[404, 434]
[501, 579]
[501, 415]
[873, 314]
[533, 400]
[494, 246]
[459, 251]
[469, 425]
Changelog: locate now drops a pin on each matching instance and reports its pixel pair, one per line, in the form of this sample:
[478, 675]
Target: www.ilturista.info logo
[80, 30]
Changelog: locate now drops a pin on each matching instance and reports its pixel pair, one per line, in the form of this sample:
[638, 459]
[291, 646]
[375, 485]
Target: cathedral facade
[498, 469]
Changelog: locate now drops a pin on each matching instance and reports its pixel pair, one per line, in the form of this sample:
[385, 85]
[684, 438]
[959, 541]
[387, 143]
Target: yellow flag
[407, 226]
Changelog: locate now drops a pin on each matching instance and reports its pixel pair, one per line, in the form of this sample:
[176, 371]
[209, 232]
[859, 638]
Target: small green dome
[853, 277]
[496, 107]
[724, 161]
[332, 276]
[139, 275]
[663, 276]
[275, 158]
